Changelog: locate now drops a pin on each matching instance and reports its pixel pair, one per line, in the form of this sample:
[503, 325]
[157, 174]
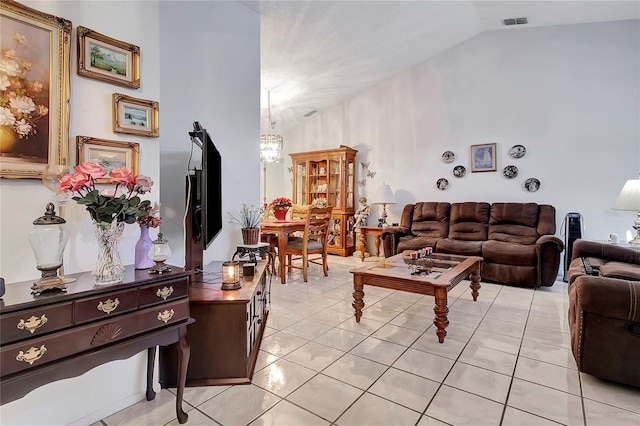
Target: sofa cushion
[464, 248]
[414, 243]
[469, 221]
[431, 219]
[514, 223]
[509, 253]
[624, 271]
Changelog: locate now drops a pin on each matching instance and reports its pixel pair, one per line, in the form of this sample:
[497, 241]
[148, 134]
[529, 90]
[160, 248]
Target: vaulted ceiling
[316, 54]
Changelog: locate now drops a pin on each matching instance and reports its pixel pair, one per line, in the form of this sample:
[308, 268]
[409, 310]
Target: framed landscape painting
[135, 116]
[34, 90]
[108, 154]
[483, 158]
[105, 58]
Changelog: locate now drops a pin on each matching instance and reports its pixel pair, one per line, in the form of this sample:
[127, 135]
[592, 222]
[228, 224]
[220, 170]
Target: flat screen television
[206, 189]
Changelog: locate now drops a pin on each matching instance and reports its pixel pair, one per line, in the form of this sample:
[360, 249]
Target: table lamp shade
[384, 195]
[629, 197]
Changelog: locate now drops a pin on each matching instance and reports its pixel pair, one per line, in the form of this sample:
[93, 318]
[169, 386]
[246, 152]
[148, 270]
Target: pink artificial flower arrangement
[122, 204]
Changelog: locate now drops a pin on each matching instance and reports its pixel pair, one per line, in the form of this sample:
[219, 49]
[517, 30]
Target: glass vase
[108, 268]
[142, 259]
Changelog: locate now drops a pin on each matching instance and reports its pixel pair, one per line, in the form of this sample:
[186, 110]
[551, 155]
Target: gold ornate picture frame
[483, 158]
[135, 116]
[107, 59]
[109, 154]
[34, 94]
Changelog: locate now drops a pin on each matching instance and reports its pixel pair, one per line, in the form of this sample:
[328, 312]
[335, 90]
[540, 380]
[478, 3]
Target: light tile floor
[506, 360]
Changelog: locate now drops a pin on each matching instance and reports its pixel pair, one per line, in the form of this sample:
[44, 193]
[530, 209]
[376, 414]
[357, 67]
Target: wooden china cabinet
[329, 175]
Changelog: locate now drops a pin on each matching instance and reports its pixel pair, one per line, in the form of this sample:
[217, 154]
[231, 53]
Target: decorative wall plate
[459, 171]
[442, 184]
[532, 184]
[448, 156]
[517, 151]
[510, 172]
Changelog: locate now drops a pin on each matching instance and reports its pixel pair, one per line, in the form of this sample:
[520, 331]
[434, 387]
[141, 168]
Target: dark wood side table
[60, 335]
[225, 339]
[362, 240]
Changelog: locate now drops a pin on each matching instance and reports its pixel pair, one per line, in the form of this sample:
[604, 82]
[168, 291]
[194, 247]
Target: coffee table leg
[475, 283]
[441, 310]
[358, 296]
[362, 240]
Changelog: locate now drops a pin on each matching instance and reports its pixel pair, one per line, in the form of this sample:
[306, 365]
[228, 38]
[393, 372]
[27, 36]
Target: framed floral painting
[135, 116]
[34, 90]
[105, 58]
[108, 154]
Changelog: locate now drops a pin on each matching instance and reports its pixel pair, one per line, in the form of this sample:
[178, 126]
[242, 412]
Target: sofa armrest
[548, 249]
[608, 297]
[390, 237]
[608, 252]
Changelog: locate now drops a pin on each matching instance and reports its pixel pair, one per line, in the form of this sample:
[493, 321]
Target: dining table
[282, 228]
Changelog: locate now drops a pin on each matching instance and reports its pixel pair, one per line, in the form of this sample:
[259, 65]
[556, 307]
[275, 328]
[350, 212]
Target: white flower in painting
[20, 38]
[4, 82]
[8, 53]
[22, 104]
[6, 118]
[35, 86]
[10, 67]
[42, 110]
[23, 128]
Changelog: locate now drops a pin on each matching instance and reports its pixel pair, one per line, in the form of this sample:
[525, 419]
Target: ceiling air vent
[310, 113]
[516, 21]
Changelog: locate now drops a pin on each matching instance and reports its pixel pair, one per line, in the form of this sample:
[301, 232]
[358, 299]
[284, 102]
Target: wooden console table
[59, 335]
[362, 239]
[225, 339]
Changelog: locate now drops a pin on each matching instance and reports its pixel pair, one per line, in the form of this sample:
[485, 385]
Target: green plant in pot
[249, 220]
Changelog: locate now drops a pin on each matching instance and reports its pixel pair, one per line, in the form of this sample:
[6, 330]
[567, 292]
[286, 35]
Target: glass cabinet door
[334, 184]
[350, 184]
[300, 190]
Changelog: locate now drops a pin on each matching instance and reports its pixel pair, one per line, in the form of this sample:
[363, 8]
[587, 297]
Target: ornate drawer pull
[32, 323]
[164, 292]
[32, 355]
[108, 306]
[165, 315]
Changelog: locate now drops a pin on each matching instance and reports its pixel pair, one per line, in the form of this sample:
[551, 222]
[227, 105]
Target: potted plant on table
[249, 220]
[280, 207]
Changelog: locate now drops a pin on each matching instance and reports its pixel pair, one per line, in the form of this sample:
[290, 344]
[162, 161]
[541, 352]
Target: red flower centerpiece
[280, 207]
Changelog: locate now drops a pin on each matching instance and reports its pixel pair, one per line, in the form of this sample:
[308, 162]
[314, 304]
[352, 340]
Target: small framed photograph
[483, 158]
[108, 154]
[104, 58]
[135, 116]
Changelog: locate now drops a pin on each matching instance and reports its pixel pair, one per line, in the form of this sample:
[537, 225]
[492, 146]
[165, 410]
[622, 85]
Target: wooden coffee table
[393, 272]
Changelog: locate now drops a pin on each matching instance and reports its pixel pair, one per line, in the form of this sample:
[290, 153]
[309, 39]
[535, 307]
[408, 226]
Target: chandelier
[270, 144]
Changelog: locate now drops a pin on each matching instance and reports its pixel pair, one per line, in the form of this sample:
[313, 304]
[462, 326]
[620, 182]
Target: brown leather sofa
[604, 311]
[516, 240]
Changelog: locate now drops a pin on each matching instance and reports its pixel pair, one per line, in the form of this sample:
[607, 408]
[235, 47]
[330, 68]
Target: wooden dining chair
[272, 239]
[313, 240]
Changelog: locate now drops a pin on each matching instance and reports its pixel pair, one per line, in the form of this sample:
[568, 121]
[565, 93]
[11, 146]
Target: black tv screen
[209, 186]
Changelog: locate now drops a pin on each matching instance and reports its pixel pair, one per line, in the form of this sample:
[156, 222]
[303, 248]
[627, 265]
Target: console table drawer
[38, 351]
[34, 322]
[104, 306]
[163, 292]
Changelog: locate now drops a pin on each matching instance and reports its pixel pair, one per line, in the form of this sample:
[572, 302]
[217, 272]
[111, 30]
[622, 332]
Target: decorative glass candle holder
[230, 275]
[48, 238]
[159, 252]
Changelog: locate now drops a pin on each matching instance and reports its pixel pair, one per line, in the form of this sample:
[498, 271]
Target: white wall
[222, 92]
[210, 73]
[569, 94]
